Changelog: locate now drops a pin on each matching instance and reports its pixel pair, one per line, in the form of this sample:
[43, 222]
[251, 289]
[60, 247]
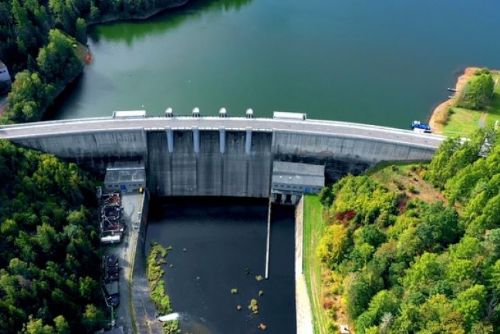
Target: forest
[403, 264]
[40, 45]
[49, 265]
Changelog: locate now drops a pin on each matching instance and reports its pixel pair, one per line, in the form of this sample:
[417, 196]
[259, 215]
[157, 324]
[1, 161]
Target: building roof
[298, 173]
[125, 172]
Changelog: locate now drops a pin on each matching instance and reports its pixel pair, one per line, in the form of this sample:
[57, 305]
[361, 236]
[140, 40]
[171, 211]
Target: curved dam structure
[221, 156]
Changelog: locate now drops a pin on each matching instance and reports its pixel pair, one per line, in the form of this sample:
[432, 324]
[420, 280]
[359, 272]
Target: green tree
[383, 304]
[36, 326]
[61, 325]
[94, 11]
[478, 92]
[81, 30]
[436, 315]
[471, 304]
[359, 291]
[57, 60]
[425, 269]
[28, 98]
[93, 318]
[333, 244]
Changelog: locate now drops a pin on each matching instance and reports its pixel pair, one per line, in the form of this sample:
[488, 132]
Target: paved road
[341, 129]
[134, 288]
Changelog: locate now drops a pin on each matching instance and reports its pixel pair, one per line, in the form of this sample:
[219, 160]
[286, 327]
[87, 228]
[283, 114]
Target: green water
[384, 62]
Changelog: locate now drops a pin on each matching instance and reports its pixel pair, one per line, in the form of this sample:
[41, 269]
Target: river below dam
[384, 62]
[219, 244]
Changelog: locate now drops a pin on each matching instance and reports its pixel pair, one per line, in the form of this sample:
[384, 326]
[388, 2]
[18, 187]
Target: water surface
[385, 62]
[219, 244]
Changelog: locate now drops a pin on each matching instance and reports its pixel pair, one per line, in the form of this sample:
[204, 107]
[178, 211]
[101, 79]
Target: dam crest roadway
[221, 156]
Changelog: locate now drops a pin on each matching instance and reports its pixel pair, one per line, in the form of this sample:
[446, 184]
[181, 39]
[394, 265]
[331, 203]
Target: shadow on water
[218, 244]
[133, 31]
[72, 90]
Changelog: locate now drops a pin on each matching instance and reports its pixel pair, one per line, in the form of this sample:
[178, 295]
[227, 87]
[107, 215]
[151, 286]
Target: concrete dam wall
[221, 156]
[210, 172]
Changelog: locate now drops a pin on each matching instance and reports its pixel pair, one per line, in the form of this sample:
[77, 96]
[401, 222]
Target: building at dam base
[212, 156]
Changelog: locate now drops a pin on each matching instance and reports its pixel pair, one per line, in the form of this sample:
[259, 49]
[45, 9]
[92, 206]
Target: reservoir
[219, 244]
[383, 62]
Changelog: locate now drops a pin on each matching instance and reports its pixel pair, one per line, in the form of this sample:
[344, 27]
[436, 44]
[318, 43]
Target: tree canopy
[410, 266]
[49, 266]
[478, 91]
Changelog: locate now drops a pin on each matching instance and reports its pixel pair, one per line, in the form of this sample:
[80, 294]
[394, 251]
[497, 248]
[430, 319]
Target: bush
[442, 117]
[413, 190]
[333, 245]
[155, 274]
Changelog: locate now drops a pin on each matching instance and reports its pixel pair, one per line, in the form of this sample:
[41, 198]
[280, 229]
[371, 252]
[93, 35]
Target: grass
[462, 122]
[408, 178]
[314, 226]
[155, 260]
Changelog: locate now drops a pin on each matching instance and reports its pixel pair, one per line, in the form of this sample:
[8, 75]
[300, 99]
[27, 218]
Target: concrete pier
[170, 140]
[196, 140]
[248, 141]
[222, 140]
[268, 238]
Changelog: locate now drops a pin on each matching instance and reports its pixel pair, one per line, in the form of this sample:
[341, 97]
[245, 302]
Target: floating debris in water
[184, 249]
[262, 326]
[171, 265]
[261, 293]
[238, 307]
[234, 291]
[197, 278]
[259, 278]
[254, 306]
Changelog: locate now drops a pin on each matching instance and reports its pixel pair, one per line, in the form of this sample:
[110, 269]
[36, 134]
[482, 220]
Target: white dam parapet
[331, 128]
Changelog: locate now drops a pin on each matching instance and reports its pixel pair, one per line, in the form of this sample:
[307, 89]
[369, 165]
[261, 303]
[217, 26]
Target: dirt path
[441, 109]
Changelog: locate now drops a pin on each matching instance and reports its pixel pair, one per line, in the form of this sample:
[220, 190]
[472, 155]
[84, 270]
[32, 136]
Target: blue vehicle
[418, 126]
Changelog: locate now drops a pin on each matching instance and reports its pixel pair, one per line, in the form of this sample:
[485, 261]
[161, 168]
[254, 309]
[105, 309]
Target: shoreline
[140, 17]
[437, 113]
[108, 19]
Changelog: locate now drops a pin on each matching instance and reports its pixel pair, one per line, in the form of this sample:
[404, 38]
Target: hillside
[413, 249]
[49, 266]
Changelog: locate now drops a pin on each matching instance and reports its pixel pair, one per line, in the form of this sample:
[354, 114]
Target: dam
[221, 156]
